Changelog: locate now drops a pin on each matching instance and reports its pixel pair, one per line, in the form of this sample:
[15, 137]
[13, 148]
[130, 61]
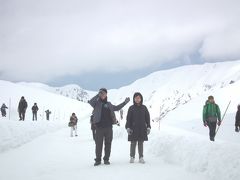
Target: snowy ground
[56, 156]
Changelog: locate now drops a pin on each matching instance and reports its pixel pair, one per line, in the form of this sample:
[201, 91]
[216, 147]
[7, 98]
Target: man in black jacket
[34, 111]
[103, 118]
[22, 107]
[237, 122]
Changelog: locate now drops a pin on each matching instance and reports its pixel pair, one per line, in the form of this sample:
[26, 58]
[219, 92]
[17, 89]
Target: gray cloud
[43, 40]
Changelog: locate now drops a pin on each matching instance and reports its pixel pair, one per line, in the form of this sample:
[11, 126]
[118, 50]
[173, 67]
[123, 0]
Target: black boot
[212, 139]
[236, 129]
[97, 163]
[106, 162]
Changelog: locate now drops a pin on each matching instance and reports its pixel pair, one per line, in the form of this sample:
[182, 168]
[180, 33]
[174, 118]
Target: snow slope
[165, 91]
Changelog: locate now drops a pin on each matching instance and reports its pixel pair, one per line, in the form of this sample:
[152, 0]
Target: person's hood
[137, 94]
[208, 102]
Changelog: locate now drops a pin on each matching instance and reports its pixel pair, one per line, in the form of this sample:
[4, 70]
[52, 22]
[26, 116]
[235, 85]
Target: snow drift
[217, 161]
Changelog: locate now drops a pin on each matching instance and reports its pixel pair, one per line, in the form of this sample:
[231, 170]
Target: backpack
[70, 124]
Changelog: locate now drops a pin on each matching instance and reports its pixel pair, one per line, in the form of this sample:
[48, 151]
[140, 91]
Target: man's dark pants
[103, 135]
[212, 130]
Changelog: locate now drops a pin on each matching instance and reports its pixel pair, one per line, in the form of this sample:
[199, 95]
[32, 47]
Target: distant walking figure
[3, 110]
[22, 107]
[237, 122]
[73, 124]
[48, 112]
[211, 117]
[34, 111]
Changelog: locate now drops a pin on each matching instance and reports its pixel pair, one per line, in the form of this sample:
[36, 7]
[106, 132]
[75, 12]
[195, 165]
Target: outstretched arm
[120, 106]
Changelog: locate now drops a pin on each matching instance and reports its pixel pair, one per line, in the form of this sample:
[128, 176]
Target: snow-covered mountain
[71, 91]
[165, 91]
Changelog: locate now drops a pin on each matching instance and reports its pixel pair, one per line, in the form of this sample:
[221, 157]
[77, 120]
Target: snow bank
[218, 161]
[14, 133]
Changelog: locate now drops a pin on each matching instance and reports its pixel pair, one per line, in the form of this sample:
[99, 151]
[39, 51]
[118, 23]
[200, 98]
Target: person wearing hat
[211, 117]
[237, 119]
[34, 111]
[138, 126]
[22, 107]
[103, 119]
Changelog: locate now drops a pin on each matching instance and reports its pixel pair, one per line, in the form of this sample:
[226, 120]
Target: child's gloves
[148, 131]
[129, 131]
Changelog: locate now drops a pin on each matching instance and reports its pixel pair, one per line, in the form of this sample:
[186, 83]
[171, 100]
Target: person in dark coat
[93, 128]
[138, 126]
[22, 107]
[48, 112]
[237, 118]
[103, 118]
[3, 110]
[34, 111]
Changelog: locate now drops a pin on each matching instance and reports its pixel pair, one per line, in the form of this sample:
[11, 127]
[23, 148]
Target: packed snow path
[56, 156]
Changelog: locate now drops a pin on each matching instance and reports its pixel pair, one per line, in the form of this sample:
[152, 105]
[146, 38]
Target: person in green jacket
[211, 116]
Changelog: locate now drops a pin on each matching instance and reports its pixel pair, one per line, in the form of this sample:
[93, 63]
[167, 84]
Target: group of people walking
[22, 108]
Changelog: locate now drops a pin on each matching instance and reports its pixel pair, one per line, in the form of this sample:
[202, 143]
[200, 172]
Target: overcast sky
[110, 42]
